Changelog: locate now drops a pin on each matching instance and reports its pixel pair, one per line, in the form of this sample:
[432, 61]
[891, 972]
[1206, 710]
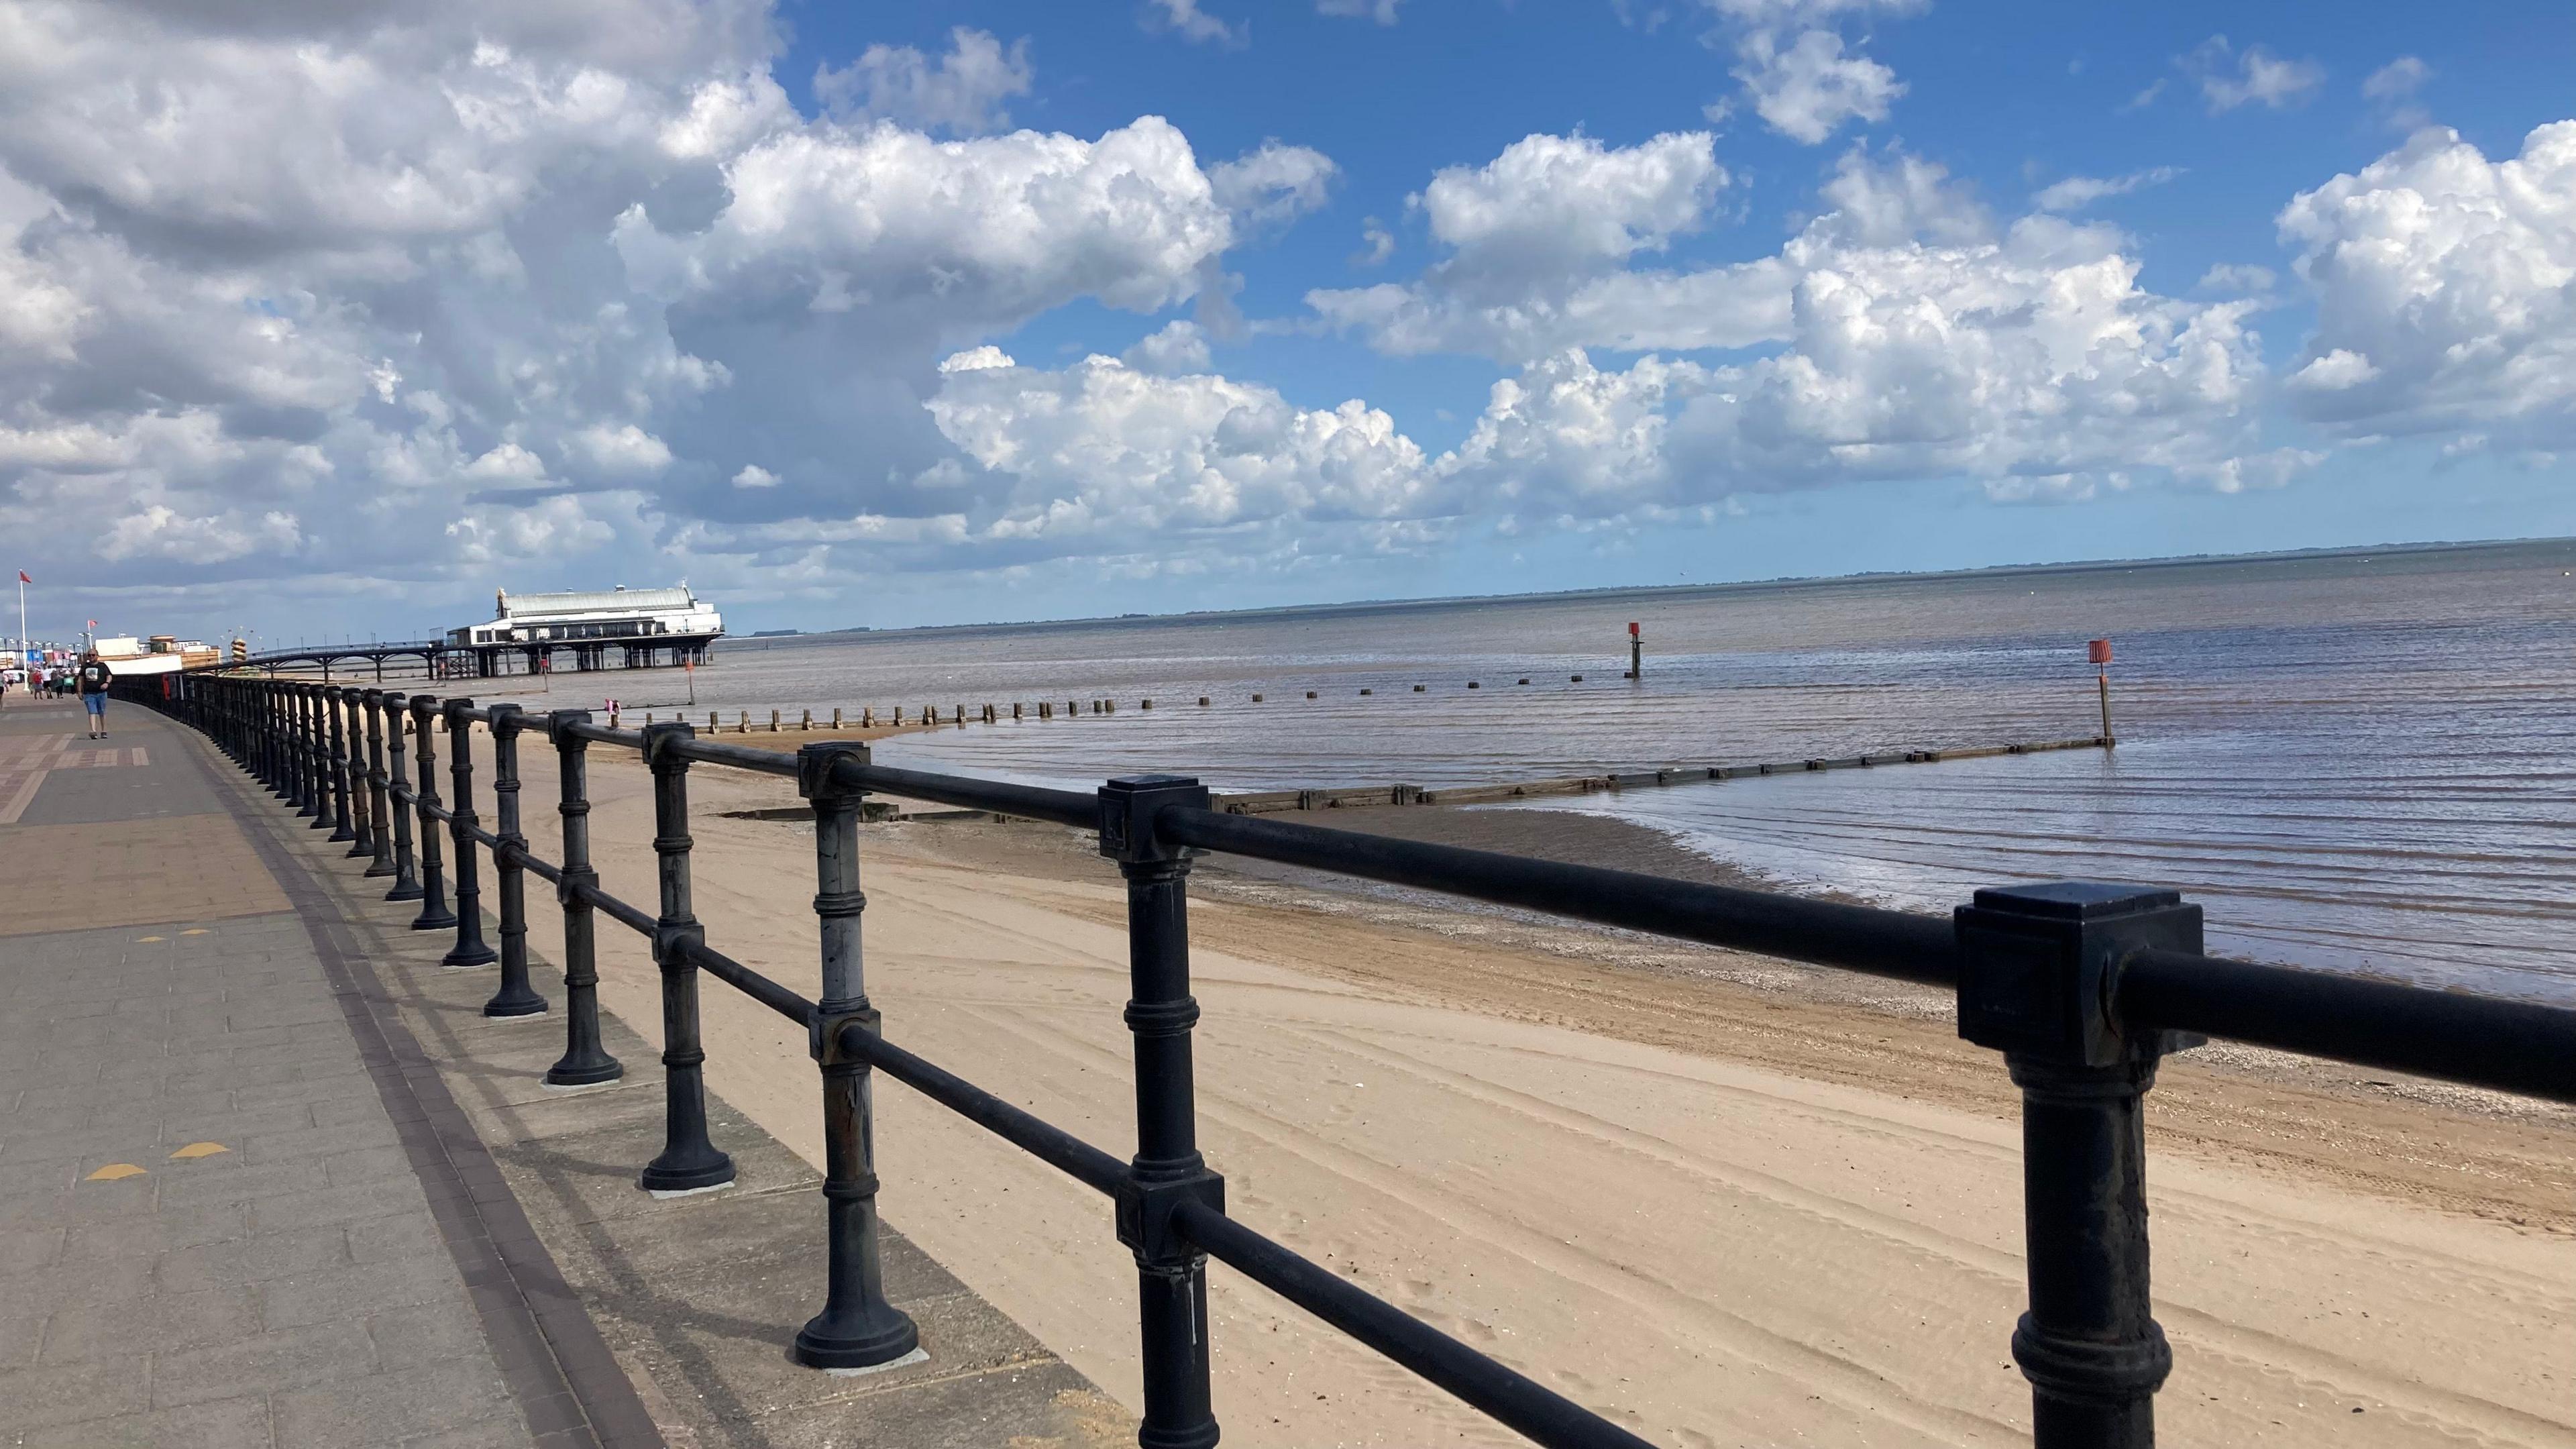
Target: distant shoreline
[1363, 607]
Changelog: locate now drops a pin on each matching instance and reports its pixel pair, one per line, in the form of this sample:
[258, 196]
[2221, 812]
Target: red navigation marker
[2097, 651]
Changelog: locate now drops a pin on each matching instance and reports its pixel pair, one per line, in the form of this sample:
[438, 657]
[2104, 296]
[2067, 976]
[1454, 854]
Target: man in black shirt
[94, 679]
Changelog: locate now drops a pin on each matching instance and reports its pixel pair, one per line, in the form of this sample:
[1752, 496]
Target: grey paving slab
[120, 780]
[407, 1240]
[699, 1297]
[161, 1099]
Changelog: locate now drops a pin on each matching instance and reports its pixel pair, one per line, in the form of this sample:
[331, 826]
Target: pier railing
[2081, 987]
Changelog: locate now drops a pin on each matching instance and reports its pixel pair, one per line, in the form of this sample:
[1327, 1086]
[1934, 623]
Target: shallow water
[2355, 762]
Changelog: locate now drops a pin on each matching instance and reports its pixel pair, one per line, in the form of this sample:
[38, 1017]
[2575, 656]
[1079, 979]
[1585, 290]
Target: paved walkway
[269, 1178]
[224, 1220]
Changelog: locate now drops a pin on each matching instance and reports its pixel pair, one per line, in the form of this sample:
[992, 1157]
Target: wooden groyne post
[2099, 652]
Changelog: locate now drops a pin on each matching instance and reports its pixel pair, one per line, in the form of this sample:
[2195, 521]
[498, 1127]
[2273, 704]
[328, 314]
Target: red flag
[22, 577]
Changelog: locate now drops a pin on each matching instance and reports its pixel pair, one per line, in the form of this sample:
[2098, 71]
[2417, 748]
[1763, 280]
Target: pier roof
[594, 601]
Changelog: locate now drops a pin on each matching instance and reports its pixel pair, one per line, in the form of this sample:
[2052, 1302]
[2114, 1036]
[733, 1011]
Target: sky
[325, 318]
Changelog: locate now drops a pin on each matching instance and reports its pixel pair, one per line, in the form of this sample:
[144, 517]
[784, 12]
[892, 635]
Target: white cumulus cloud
[2446, 289]
[1538, 241]
[963, 91]
[1273, 183]
[1800, 71]
[1101, 451]
[1185, 19]
[2077, 192]
[2230, 78]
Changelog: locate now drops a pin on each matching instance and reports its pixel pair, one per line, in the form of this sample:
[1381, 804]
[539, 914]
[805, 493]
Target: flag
[22, 577]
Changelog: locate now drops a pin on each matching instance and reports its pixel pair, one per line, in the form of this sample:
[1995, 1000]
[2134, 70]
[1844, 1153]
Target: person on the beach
[94, 679]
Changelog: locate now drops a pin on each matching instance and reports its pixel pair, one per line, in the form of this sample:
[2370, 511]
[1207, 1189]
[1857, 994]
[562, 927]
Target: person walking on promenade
[94, 679]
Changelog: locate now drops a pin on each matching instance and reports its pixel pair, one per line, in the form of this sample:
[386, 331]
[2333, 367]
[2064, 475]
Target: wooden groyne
[1270, 802]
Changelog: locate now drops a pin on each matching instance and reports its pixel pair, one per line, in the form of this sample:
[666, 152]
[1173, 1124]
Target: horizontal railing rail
[1823, 933]
[2082, 988]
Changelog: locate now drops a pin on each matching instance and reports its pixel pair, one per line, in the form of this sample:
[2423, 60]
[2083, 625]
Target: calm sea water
[2354, 762]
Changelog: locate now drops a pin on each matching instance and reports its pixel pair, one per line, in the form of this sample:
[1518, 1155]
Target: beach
[1721, 1200]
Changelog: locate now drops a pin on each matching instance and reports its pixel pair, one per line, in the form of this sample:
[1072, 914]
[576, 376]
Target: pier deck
[267, 1178]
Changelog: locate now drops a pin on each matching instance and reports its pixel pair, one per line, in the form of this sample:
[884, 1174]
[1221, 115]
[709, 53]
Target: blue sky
[2009, 97]
[908, 314]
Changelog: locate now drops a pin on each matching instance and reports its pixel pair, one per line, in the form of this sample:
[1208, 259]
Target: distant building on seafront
[646, 626]
[159, 654]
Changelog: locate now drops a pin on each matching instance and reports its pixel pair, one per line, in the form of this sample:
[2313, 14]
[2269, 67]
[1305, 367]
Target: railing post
[398, 793]
[469, 949]
[282, 696]
[262, 708]
[336, 765]
[434, 914]
[515, 997]
[857, 1328]
[1171, 1272]
[584, 1062]
[380, 837]
[317, 760]
[281, 779]
[287, 774]
[362, 816]
[2039, 975]
[689, 1162]
[299, 709]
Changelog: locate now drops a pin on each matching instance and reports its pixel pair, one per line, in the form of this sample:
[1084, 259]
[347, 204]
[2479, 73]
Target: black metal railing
[2082, 987]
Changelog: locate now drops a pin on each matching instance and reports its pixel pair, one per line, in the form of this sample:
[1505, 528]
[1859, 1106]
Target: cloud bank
[323, 302]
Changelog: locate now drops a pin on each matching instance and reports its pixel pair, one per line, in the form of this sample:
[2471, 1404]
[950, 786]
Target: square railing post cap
[814, 764]
[2039, 965]
[1128, 806]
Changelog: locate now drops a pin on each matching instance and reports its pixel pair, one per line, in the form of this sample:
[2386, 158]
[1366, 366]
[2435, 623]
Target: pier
[2081, 989]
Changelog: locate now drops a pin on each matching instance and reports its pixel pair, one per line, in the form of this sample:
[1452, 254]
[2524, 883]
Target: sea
[2355, 761]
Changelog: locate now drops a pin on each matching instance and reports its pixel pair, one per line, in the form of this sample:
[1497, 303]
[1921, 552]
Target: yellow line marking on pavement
[194, 931]
[198, 1149]
[141, 939]
[113, 1171]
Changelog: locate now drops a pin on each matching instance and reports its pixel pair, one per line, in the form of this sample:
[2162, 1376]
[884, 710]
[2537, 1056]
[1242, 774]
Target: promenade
[267, 1178]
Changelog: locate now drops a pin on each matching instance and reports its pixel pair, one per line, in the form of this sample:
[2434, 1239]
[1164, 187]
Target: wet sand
[1722, 1199]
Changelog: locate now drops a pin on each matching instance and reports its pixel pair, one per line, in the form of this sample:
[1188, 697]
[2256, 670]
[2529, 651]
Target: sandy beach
[1723, 1200]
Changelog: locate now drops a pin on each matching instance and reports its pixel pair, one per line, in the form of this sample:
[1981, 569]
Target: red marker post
[1636, 653]
[2098, 651]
